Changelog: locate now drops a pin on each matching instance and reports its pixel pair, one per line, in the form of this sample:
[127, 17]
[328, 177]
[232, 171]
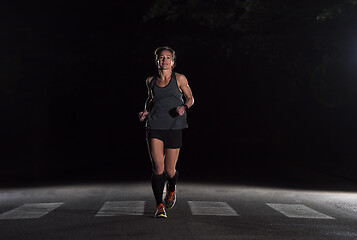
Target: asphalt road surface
[203, 211]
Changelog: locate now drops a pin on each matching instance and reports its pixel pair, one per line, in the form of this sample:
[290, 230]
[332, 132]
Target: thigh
[156, 151]
[171, 157]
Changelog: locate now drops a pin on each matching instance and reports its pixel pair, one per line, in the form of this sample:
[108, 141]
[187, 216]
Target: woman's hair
[160, 49]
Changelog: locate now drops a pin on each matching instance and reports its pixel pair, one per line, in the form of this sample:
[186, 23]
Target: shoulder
[149, 79]
[180, 78]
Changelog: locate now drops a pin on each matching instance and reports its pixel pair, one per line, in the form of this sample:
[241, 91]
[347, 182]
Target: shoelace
[170, 196]
[160, 208]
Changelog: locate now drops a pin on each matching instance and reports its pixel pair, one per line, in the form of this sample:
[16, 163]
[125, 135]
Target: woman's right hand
[142, 115]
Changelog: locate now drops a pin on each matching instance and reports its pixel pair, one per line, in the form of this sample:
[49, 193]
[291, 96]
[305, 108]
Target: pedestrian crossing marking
[119, 208]
[211, 208]
[30, 210]
[298, 211]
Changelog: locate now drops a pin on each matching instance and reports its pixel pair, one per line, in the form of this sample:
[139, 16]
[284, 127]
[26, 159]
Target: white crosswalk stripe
[30, 210]
[121, 208]
[298, 211]
[211, 208]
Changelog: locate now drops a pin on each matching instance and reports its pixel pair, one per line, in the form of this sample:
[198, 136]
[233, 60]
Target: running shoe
[170, 198]
[160, 211]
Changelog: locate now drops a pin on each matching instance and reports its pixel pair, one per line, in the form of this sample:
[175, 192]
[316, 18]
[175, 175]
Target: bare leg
[171, 156]
[156, 151]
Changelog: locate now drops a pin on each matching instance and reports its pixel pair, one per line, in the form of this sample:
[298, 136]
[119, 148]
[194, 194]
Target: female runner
[165, 114]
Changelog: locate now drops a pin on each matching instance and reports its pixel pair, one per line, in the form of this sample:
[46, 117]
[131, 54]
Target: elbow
[192, 101]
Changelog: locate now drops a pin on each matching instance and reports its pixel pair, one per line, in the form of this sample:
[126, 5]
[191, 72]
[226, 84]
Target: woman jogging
[165, 114]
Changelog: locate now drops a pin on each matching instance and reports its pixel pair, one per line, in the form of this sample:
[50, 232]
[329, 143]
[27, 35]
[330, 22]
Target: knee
[158, 168]
[158, 171]
[170, 173]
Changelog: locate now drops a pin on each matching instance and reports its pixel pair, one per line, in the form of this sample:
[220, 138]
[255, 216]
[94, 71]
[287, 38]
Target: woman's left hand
[180, 110]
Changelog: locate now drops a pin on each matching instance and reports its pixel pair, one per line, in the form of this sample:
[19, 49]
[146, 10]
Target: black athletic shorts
[171, 138]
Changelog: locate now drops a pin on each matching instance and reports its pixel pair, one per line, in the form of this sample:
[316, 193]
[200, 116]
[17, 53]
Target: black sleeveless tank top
[162, 108]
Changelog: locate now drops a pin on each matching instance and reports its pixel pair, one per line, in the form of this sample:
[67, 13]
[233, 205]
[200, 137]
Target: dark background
[274, 85]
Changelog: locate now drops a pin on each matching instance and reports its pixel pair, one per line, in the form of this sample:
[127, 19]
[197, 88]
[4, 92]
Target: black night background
[275, 87]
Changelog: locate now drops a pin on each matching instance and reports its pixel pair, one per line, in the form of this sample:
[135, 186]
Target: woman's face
[165, 61]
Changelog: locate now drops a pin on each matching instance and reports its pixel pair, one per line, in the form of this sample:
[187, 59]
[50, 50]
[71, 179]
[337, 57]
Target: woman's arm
[185, 88]
[142, 115]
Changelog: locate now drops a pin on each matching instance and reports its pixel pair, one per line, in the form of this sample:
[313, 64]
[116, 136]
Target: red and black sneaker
[170, 198]
[160, 211]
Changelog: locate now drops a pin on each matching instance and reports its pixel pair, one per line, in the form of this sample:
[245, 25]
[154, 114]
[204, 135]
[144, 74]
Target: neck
[164, 74]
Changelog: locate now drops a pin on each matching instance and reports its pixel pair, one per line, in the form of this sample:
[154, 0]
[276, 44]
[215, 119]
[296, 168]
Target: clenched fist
[142, 115]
